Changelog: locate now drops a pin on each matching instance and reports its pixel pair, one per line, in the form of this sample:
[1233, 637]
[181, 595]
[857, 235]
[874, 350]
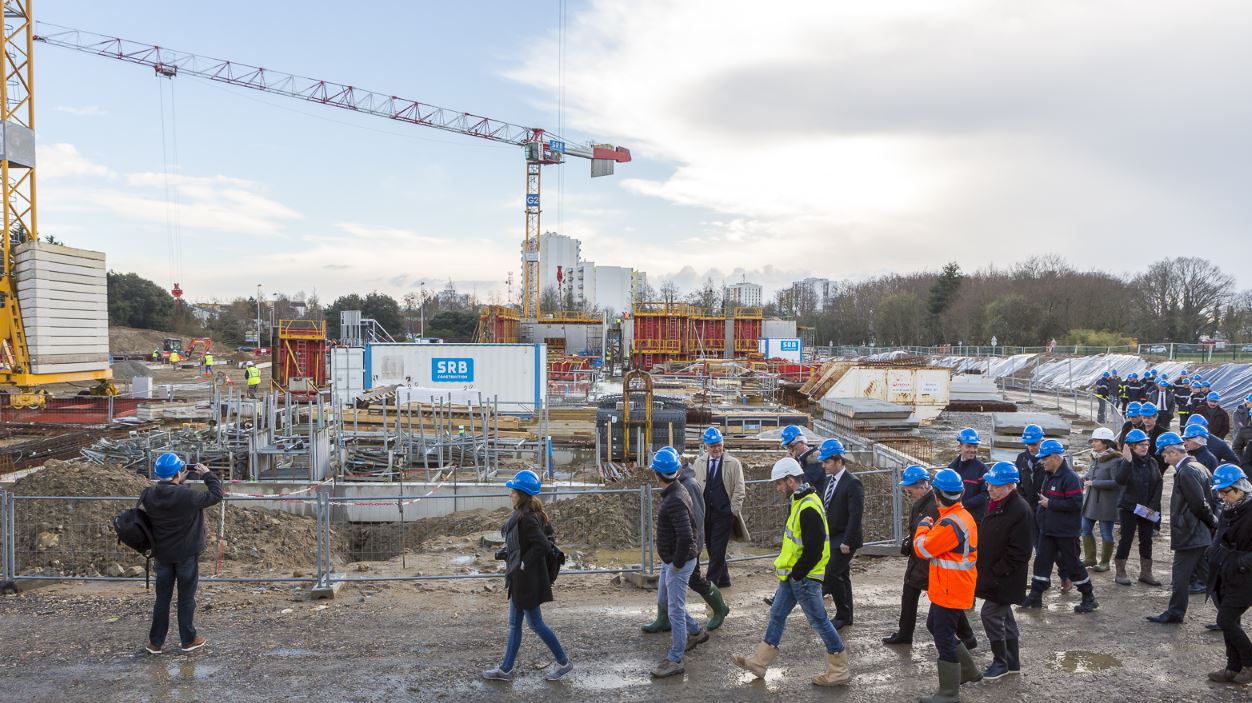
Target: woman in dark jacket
[1230, 571]
[1005, 540]
[527, 543]
[1140, 478]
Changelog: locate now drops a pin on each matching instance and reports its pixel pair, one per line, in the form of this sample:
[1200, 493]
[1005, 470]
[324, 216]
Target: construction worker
[916, 484]
[1191, 521]
[1133, 421]
[1150, 415]
[1007, 540]
[156, 355]
[1182, 401]
[950, 544]
[698, 582]
[720, 477]
[1138, 506]
[1162, 396]
[1220, 448]
[1242, 441]
[1133, 387]
[1102, 391]
[677, 546]
[1059, 511]
[843, 498]
[800, 566]
[1099, 502]
[208, 364]
[1218, 418]
[1231, 583]
[798, 448]
[1123, 390]
[253, 376]
[971, 470]
[175, 357]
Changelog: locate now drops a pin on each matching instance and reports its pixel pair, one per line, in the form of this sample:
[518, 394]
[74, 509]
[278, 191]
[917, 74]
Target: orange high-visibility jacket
[951, 546]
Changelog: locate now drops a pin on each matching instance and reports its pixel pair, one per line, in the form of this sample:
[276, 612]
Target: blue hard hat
[713, 436]
[830, 448]
[168, 465]
[665, 462]
[1197, 385]
[1148, 410]
[1132, 410]
[1114, 372]
[967, 435]
[1136, 436]
[1248, 399]
[790, 434]
[1105, 375]
[1195, 430]
[914, 474]
[1205, 383]
[1226, 476]
[526, 481]
[1050, 447]
[1002, 473]
[1197, 375]
[1163, 383]
[1185, 379]
[1032, 434]
[1132, 374]
[1214, 396]
[1198, 419]
[948, 481]
[1168, 439]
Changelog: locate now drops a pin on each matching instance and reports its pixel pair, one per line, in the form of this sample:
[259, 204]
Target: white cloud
[843, 137]
[83, 111]
[61, 160]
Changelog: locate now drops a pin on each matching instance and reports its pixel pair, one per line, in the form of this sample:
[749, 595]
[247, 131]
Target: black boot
[897, 638]
[1014, 656]
[1088, 604]
[999, 664]
[1033, 600]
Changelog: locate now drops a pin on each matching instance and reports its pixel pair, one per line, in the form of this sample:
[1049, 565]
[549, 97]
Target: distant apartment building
[561, 268]
[558, 260]
[820, 290]
[744, 294]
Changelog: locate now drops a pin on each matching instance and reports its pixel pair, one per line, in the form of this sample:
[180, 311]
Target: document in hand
[1146, 512]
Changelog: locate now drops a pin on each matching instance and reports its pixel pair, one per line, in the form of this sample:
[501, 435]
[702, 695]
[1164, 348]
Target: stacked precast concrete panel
[63, 295]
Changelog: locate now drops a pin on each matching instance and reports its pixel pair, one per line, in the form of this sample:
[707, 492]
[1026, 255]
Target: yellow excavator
[60, 341]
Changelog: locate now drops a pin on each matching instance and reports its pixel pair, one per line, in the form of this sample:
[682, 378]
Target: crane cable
[560, 117]
[173, 219]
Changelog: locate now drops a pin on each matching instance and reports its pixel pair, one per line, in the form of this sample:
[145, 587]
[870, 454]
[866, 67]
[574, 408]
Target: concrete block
[323, 590]
[47, 283]
[43, 250]
[645, 581]
[76, 269]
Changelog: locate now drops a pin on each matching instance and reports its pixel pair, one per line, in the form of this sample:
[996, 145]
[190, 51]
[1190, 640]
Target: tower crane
[540, 147]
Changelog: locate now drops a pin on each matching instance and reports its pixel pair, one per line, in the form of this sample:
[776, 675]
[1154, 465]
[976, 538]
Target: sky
[770, 141]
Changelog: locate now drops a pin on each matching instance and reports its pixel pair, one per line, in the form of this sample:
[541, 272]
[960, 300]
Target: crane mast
[540, 147]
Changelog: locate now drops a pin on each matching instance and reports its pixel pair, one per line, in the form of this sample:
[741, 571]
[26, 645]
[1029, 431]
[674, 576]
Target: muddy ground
[428, 641]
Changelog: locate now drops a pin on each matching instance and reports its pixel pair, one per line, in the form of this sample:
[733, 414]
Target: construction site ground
[430, 640]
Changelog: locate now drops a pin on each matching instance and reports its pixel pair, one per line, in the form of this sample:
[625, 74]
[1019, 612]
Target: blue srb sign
[556, 145]
[452, 370]
[790, 345]
[532, 200]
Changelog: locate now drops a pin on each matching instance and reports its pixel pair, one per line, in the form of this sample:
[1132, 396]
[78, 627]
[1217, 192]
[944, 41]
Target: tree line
[1027, 304]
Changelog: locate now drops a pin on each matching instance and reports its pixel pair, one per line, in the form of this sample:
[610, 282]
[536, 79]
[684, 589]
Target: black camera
[502, 554]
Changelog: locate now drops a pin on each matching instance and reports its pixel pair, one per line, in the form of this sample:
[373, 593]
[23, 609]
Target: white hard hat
[785, 467]
[1104, 433]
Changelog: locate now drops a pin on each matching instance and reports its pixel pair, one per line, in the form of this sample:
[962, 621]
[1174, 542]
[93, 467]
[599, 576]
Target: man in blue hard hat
[1060, 511]
[1162, 396]
[1150, 415]
[1242, 440]
[1028, 466]
[1007, 540]
[1182, 400]
[1195, 441]
[676, 544]
[798, 448]
[971, 470]
[1134, 387]
[1133, 421]
[1219, 447]
[720, 476]
[1191, 521]
[176, 513]
[843, 498]
[1219, 419]
[1103, 391]
[1123, 390]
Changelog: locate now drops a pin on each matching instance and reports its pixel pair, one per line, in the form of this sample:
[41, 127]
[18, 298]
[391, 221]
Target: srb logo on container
[790, 345]
[452, 370]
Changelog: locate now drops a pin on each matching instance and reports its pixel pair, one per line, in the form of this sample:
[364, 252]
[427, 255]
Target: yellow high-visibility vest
[793, 543]
[254, 375]
[208, 359]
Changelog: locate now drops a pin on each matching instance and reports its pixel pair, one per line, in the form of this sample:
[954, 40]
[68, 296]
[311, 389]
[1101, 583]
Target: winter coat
[675, 526]
[1191, 517]
[1100, 501]
[526, 545]
[1141, 483]
[917, 572]
[814, 474]
[731, 474]
[975, 498]
[1063, 516]
[1230, 559]
[844, 512]
[177, 515]
[1219, 420]
[1242, 440]
[1007, 539]
[1031, 472]
[687, 478]
[1240, 418]
[1222, 451]
[1127, 426]
[1102, 387]
[1204, 456]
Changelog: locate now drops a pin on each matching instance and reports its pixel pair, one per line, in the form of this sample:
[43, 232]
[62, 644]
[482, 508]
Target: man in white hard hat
[800, 567]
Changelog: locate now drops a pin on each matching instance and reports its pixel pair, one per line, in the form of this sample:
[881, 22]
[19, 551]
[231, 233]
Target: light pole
[258, 315]
[421, 312]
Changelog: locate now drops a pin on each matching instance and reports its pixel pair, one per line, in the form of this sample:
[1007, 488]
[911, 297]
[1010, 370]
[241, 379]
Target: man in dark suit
[844, 499]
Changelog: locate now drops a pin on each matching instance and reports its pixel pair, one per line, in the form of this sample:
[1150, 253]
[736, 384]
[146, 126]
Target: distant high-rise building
[744, 294]
[820, 290]
[558, 254]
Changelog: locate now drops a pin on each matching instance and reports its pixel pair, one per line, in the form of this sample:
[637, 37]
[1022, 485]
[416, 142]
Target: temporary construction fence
[312, 536]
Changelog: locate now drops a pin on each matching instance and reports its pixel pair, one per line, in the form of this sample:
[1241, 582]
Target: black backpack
[555, 557]
[134, 529]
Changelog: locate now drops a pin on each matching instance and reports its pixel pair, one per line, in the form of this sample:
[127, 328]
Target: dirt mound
[131, 340]
[128, 370]
[76, 538]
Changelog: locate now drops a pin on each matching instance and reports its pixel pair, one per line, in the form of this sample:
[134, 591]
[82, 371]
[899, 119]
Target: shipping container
[515, 374]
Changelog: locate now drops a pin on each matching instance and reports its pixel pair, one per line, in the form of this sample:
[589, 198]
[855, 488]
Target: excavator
[53, 321]
[196, 346]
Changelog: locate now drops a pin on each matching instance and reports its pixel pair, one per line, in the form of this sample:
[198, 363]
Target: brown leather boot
[837, 672]
[1145, 573]
[1122, 577]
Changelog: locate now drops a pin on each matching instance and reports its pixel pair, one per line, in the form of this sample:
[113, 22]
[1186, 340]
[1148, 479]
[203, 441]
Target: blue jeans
[1106, 529]
[808, 594]
[187, 574]
[672, 590]
[545, 633]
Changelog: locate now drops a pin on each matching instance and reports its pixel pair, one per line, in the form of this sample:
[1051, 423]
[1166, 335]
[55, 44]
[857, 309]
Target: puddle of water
[190, 669]
[463, 560]
[289, 652]
[1079, 661]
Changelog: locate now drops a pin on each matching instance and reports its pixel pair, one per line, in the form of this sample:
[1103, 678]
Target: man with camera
[176, 513]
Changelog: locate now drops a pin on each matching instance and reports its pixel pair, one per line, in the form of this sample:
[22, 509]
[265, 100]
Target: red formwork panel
[301, 367]
[708, 336]
[747, 334]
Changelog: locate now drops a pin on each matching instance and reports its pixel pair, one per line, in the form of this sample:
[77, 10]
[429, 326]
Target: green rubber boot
[1088, 551]
[1106, 554]
[949, 684]
[718, 605]
[661, 624]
